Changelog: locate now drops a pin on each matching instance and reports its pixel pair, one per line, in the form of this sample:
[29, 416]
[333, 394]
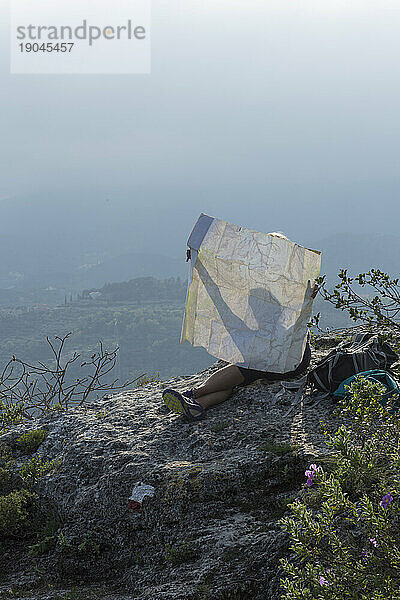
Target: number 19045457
[46, 47]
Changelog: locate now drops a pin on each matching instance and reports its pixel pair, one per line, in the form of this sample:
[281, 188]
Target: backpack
[390, 383]
[364, 352]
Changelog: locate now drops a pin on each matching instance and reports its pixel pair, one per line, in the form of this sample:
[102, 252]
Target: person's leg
[215, 398]
[215, 390]
[223, 379]
[218, 387]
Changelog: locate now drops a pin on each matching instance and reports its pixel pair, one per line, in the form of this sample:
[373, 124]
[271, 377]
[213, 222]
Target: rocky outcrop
[210, 530]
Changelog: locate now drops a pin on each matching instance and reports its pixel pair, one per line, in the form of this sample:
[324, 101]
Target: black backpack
[363, 353]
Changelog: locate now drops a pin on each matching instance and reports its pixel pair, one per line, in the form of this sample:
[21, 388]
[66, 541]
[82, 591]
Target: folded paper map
[249, 295]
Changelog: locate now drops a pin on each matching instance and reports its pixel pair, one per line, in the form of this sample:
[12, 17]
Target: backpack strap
[298, 386]
[313, 374]
[294, 384]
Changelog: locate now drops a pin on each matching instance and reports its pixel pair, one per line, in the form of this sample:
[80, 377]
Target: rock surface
[210, 530]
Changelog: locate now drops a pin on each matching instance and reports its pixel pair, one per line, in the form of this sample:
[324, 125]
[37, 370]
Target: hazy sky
[270, 114]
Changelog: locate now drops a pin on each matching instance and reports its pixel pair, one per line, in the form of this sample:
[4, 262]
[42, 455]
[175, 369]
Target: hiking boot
[182, 404]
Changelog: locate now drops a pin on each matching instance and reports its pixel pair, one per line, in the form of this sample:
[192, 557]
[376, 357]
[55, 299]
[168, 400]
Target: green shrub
[344, 527]
[13, 512]
[30, 442]
[11, 415]
[63, 542]
[36, 467]
[5, 480]
[146, 379]
[101, 414]
[46, 539]
[90, 544]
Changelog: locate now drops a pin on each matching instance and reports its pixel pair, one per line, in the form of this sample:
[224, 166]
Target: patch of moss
[278, 448]
[30, 442]
[203, 592]
[233, 553]
[183, 553]
[218, 427]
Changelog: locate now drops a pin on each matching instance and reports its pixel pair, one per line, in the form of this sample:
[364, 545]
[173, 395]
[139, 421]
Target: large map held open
[249, 295]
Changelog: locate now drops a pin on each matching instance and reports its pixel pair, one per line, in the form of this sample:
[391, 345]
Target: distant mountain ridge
[117, 268]
[23, 269]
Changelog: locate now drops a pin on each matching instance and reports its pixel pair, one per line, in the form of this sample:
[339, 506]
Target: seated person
[219, 386]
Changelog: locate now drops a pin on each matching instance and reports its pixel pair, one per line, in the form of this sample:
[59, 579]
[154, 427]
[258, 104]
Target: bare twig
[39, 388]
